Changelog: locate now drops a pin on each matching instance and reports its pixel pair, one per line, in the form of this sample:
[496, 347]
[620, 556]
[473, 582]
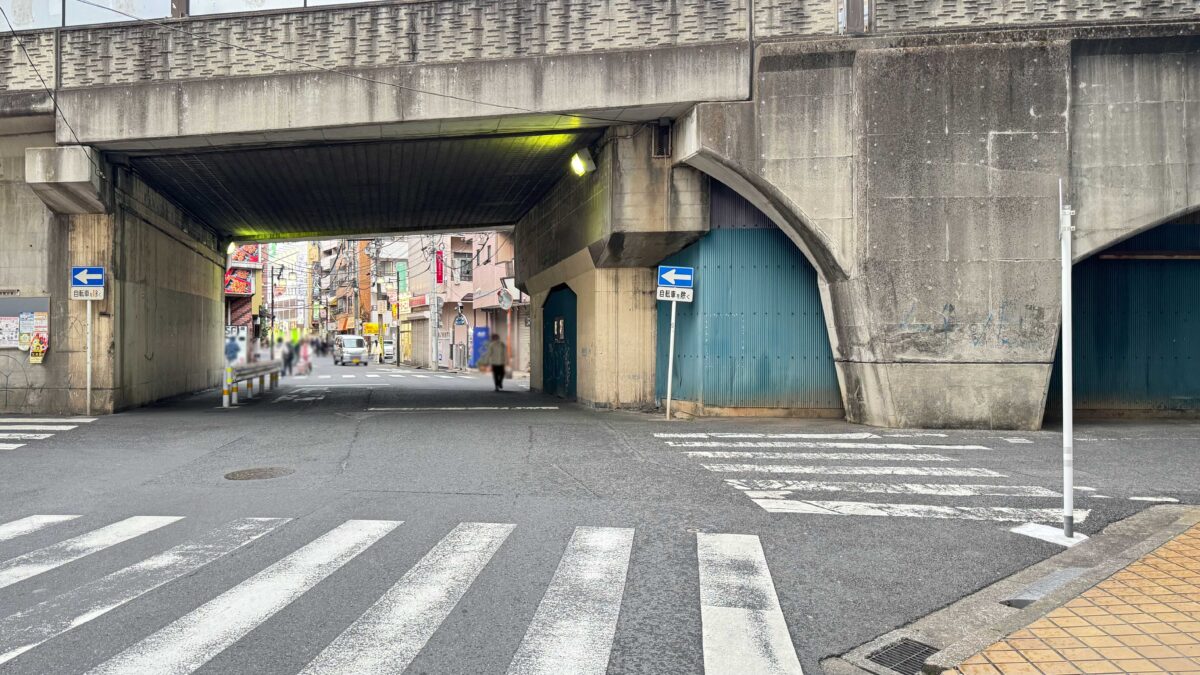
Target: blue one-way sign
[672, 276]
[87, 276]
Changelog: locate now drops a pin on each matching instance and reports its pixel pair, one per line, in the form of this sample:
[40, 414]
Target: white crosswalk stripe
[387, 637]
[25, 630]
[35, 429]
[193, 640]
[743, 626]
[23, 526]
[372, 375]
[56, 555]
[397, 375]
[573, 629]
[766, 453]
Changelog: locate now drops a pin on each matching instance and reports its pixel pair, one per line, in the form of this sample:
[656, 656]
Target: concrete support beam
[67, 178]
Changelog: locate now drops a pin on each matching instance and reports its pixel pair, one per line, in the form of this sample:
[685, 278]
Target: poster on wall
[247, 256]
[10, 331]
[239, 281]
[24, 330]
[39, 343]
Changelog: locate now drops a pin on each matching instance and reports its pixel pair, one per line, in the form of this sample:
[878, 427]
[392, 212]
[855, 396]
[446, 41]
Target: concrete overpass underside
[914, 165]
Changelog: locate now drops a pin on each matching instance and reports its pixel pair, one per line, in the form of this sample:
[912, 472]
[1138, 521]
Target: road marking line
[856, 470]
[844, 456]
[844, 437]
[423, 377]
[194, 639]
[446, 377]
[347, 377]
[942, 489]
[1170, 500]
[919, 434]
[465, 377]
[820, 444]
[1018, 440]
[324, 377]
[372, 375]
[36, 427]
[833, 508]
[25, 630]
[22, 526]
[742, 624]
[45, 559]
[24, 437]
[388, 636]
[11, 446]
[395, 375]
[300, 377]
[46, 420]
[1049, 533]
[573, 628]
[466, 408]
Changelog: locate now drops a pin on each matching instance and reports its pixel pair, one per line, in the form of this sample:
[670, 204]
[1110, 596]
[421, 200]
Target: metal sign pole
[671, 358]
[1064, 234]
[87, 406]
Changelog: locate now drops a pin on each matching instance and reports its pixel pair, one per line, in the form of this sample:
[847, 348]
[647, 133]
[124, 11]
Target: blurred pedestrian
[496, 358]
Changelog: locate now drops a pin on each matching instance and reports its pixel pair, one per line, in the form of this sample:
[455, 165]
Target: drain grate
[259, 473]
[906, 656]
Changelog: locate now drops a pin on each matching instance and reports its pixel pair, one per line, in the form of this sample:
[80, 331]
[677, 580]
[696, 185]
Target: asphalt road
[430, 522]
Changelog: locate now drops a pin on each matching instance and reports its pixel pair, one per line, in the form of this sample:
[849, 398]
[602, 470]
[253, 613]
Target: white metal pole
[671, 358]
[87, 406]
[1068, 404]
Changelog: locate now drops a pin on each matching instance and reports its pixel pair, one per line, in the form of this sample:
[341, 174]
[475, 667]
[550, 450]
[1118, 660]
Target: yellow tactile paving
[1143, 619]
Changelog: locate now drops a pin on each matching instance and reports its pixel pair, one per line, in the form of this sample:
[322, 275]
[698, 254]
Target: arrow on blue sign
[676, 277]
[87, 276]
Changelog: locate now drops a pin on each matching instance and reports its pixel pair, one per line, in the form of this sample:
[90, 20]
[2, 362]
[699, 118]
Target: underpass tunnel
[1136, 328]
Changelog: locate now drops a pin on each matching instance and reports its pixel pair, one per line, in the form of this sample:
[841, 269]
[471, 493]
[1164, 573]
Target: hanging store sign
[239, 281]
[246, 255]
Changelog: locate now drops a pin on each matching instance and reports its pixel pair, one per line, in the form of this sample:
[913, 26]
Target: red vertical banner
[439, 266]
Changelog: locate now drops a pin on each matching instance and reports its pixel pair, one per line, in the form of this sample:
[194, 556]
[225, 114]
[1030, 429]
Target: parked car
[389, 350]
[350, 349]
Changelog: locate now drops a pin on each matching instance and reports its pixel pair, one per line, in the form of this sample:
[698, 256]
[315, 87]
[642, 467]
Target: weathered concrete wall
[600, 234]
[34, 246]
[922, 184]
[1135, 137]
[169, 293]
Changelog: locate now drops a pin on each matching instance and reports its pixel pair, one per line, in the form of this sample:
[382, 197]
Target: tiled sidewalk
[1143, 619]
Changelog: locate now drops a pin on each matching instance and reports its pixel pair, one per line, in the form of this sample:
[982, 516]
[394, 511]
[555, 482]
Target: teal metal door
[755, 337]
[1137, 326]
[558, 343]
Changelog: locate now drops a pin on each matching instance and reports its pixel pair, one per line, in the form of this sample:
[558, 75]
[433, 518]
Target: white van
[350, 349]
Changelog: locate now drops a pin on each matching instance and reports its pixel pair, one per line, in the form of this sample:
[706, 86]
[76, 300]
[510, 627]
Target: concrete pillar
[922, 185]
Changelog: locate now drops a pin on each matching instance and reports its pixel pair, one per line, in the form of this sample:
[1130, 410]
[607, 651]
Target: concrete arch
[1095, 244]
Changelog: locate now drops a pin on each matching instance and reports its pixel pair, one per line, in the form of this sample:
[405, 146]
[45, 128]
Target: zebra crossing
[35, 429]
[572, 629]
[785, 473]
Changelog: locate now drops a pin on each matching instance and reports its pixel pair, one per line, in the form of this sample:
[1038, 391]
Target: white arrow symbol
[672, 275]
[85, 277]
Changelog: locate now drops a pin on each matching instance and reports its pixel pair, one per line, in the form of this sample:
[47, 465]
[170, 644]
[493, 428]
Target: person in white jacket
[496, 357]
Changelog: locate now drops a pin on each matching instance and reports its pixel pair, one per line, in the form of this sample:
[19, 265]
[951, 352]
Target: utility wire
[343, 73]
[53, 99]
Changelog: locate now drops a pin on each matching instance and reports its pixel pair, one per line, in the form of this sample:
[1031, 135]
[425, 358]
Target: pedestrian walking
[289, 357]
[231, 349]
[496, 358]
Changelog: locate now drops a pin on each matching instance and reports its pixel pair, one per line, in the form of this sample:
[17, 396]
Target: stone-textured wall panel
[927, 14]
[787, 18]
[385, 35]
[27, 61]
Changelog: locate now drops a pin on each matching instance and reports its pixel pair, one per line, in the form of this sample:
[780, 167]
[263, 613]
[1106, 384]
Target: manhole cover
[259, 473]
[906, 656]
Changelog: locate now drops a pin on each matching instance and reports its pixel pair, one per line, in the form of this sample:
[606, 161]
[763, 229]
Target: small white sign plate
[87, 292]
[672, 294]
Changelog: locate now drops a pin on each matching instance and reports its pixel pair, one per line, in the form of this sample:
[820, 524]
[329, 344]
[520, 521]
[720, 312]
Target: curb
[965, 627]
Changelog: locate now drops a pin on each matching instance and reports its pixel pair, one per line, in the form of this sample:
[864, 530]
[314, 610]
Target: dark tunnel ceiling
[341, 189]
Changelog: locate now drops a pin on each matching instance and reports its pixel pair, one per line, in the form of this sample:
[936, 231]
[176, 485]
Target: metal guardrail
[267, 373]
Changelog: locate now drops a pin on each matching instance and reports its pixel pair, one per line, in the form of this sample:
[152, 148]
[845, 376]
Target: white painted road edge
[36, 427]
[388, 636]
[194, 639]
[743, 628]
[11, 446]
[22, 526]
[856, 470]
[573, 629]
[1049, 533]
[46, 420]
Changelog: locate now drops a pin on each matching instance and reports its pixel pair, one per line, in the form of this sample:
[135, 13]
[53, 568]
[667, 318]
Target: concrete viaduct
[914, 163]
